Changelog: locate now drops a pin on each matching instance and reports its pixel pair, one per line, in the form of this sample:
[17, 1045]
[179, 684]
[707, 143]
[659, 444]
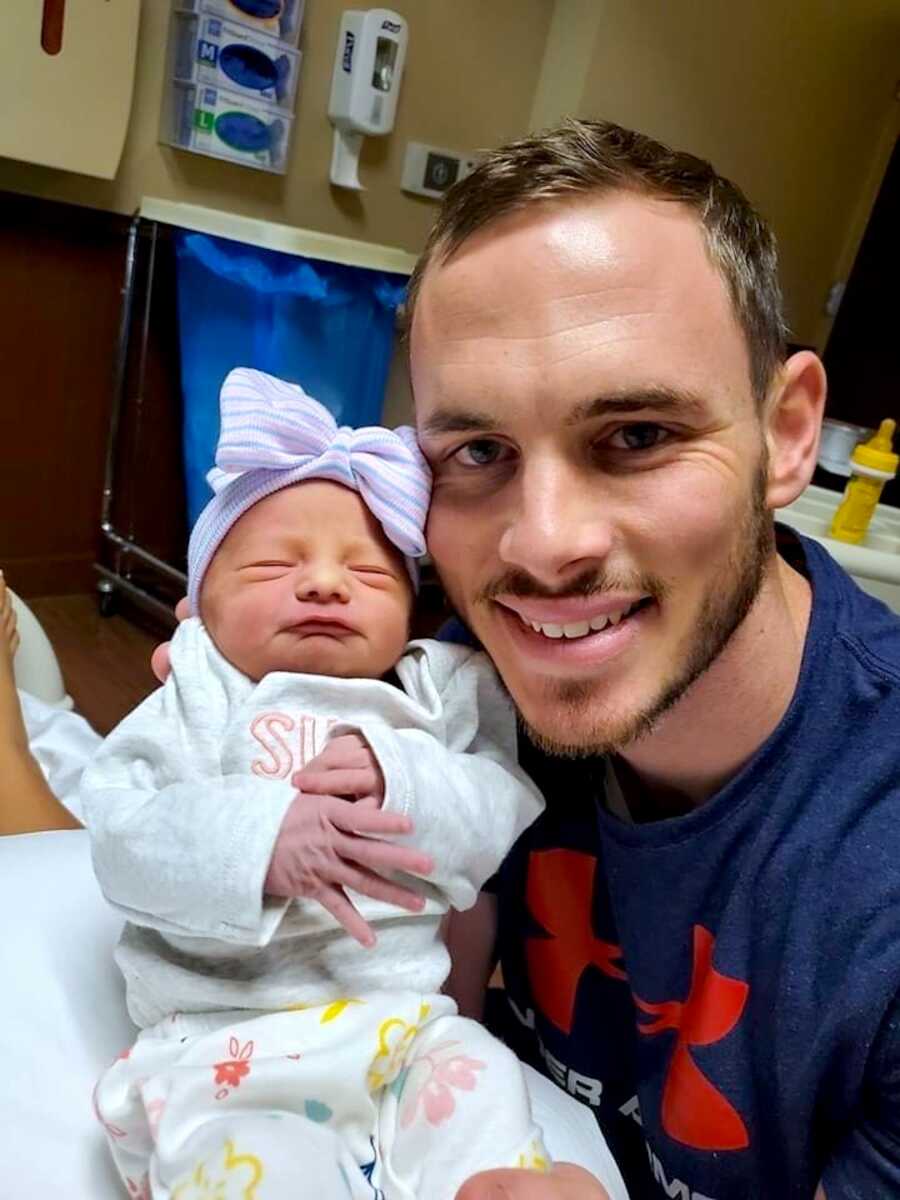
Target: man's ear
[793, 419]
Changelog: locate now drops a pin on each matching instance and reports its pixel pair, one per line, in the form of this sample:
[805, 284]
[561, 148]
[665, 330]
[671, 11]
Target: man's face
[598, 519]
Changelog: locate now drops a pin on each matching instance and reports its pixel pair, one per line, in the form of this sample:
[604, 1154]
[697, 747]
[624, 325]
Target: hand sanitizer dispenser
[368, 67]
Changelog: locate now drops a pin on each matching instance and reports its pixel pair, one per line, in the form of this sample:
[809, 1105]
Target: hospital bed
[62, 1003]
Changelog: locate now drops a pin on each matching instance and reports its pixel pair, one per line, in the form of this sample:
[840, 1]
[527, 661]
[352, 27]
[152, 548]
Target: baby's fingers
[335, 901]
[385, 856]
[351, 818]
[336, 782]
[367, 883]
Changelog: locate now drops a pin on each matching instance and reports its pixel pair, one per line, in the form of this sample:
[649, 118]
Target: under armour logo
[559, 894]
[694, 1112]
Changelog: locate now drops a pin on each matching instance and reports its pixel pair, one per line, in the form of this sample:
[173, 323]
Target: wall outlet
[430, 170]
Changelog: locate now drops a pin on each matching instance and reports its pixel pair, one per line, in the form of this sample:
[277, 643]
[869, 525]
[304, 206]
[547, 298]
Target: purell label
[349, 43]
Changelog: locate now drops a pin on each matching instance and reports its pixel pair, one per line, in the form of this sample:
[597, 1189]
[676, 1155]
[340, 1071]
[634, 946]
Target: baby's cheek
[247, 623]
[393, 626]
[263, 611]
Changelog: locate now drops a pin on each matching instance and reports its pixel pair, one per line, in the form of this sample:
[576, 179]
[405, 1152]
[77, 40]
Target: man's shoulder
[856, 621]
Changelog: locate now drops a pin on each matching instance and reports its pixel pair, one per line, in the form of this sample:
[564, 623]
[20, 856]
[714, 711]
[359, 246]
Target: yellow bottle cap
[877, 453]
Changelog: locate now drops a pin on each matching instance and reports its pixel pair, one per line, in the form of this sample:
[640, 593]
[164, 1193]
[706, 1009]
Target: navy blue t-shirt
[722, 987]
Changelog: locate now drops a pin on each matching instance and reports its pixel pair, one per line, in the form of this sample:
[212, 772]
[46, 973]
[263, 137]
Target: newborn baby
[303, 772]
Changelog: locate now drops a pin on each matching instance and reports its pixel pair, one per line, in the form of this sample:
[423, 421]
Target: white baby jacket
[186, 796]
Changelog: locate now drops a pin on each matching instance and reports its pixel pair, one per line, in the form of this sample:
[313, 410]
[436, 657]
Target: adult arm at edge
[471, 938]
[27, 805]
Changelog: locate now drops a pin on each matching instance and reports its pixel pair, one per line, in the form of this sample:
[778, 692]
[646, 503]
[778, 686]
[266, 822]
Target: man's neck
[727, 714]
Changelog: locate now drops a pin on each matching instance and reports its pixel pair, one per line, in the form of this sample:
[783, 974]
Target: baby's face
[306, 581]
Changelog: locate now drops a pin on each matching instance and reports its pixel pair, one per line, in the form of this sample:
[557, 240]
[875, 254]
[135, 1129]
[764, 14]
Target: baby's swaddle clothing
[184, 803]
[390, 1095]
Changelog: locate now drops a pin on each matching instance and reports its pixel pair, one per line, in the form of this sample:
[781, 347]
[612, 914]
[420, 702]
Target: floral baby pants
[390, 1096]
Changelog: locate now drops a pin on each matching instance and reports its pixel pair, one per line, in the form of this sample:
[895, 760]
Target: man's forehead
[599, 296]
[541, 265]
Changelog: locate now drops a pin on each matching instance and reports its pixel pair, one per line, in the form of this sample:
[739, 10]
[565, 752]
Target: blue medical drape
[325, 326]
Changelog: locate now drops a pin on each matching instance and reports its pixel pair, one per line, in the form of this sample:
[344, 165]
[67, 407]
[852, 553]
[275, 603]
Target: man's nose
[559, 524]
[322, 582]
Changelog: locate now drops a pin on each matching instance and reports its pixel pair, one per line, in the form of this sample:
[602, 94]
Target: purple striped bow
[273, 435]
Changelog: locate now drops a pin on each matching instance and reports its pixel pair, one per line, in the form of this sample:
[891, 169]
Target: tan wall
[469, 83]
[794, 101]
[789, 99]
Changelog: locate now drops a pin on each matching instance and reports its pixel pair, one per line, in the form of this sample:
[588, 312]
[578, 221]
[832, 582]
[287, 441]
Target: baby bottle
[873, 464]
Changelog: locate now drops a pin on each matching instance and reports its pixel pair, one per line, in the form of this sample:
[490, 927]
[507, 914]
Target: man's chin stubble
[575, 707]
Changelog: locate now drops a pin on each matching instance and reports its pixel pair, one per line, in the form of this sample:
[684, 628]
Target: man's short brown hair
[584, 157]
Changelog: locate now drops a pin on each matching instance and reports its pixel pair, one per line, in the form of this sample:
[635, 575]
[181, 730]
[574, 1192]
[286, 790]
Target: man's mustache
[591, 582]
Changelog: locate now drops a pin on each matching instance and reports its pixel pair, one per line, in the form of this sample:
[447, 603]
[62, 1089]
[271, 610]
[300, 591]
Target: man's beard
[728, 600]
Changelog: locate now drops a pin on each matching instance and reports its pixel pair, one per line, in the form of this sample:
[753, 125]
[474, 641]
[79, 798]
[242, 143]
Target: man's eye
[481, 453]
[643, 435]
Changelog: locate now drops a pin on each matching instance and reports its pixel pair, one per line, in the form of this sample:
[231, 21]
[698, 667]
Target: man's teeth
[578, 629]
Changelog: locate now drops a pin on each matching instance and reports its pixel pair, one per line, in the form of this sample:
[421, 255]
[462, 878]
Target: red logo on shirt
[695, 1112]
[560, 895]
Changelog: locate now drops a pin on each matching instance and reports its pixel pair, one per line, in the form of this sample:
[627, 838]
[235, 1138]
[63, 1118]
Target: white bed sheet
[62, 1019]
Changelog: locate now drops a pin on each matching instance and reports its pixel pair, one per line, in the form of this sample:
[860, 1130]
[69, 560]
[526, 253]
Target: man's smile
[574, 616]
[584, 643]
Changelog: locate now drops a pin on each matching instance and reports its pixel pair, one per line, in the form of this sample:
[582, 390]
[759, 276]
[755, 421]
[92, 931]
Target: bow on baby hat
[273, 435]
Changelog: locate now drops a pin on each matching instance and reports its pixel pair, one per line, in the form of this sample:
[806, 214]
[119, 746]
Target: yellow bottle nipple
[884, 438]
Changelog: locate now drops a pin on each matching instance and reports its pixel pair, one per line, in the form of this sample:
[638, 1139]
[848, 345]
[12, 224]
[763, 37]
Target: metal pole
[128, 547]
[142, 368]
[141, 597]
[121, 373]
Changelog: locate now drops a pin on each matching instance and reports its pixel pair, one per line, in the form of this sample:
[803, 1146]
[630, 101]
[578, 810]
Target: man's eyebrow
[454, 420]
[660, 400]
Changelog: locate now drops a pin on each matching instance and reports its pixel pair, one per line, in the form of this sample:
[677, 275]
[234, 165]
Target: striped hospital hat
[273, 435]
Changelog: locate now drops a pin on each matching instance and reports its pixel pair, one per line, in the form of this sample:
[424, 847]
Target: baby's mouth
[322, 626]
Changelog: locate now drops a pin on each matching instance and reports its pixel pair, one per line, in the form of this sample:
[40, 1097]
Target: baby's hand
[346, 767]
[326, 844]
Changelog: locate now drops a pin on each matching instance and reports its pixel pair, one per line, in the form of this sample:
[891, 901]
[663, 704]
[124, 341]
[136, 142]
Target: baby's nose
[323, 583]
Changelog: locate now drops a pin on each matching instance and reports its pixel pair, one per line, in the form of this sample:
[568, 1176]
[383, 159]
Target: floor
[105, 660]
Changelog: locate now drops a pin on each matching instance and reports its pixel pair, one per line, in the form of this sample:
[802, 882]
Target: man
[701, 937]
